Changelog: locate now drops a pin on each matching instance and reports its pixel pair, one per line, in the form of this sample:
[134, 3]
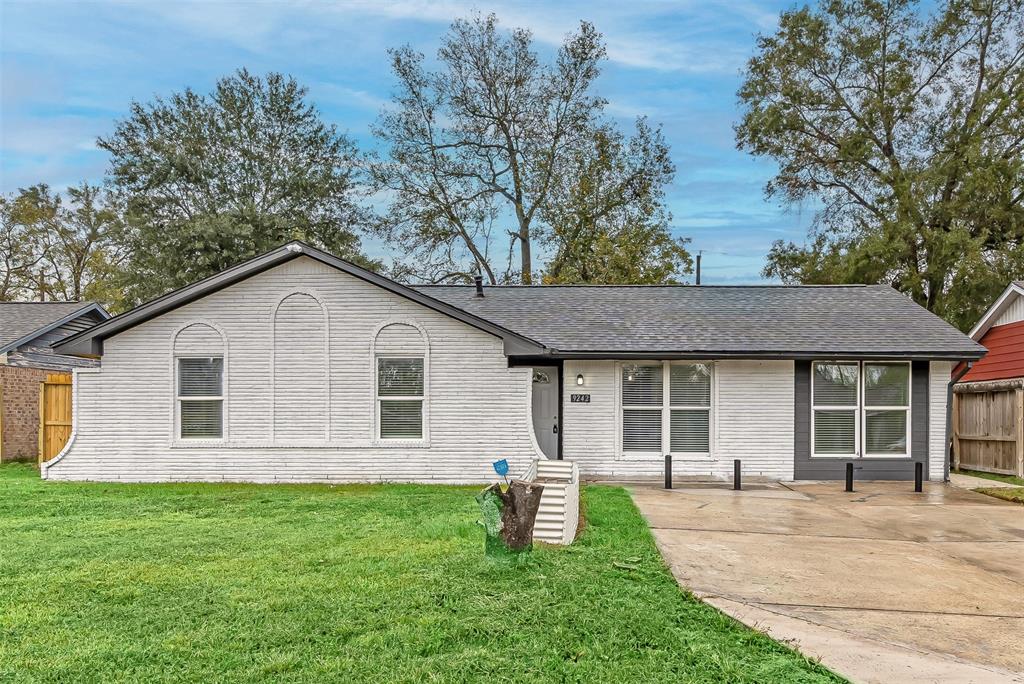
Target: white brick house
[298, 366]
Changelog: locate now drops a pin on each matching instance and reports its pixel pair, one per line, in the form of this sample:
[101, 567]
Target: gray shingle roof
[771, 320]
[20, 319]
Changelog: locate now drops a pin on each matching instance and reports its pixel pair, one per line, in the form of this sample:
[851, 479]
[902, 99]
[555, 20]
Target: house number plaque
[579, 399]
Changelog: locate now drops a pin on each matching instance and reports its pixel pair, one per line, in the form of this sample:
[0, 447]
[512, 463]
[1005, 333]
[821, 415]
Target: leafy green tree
[79, 243]
[906, 130]
[19, 253]
[607, 215]
[479, 152]
[211, 180]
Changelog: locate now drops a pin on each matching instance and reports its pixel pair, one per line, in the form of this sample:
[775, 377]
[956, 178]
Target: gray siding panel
[807, 468]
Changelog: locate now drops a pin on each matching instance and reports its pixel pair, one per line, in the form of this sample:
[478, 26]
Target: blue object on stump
[501, 467]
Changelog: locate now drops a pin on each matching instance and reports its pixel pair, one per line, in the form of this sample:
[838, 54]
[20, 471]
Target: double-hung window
[860, 408]
[886, 408]
[690, 400]
[642, 404]
[656, 421]
[200, 397]
[400, 398]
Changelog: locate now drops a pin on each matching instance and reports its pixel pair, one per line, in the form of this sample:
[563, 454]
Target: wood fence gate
[54, 415]
[988, 427]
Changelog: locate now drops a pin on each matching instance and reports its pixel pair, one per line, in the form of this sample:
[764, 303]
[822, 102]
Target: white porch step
[559, 502]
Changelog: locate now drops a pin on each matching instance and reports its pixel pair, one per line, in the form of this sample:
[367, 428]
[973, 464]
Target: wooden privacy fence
[54, 415]
[988, 426]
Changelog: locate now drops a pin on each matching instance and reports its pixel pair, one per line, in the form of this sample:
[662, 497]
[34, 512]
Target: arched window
[400, 376]
[301, 383]
[198, 353]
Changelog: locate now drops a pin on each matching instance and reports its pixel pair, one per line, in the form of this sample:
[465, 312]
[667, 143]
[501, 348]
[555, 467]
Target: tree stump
[508, 516]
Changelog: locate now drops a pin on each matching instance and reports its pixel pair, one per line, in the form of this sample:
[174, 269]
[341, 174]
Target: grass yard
[1009, 479]
[1014, 495]
[221, 582]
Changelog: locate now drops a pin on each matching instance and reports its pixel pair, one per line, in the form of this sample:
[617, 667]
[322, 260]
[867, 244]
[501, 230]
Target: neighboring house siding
[1014, 312]
[752, 420]
[1005, 357]
[478, 406]
[19, 412]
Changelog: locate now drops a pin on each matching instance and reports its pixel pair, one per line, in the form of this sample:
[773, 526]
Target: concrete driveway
[883, 585]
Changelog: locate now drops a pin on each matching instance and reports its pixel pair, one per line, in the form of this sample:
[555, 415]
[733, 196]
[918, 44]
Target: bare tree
[480, 142]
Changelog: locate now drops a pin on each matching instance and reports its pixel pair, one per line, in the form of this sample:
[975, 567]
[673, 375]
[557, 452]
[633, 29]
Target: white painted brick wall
[939, 376]
[479, 407]
[752, 420]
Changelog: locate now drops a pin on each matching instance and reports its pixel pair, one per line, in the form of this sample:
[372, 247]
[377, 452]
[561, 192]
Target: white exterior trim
[991, 316]
[861, 409]
[666, 413]
[375, 438]
[174, 437]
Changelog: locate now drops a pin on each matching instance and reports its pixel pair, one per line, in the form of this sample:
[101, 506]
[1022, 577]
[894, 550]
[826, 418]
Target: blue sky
[70, 69]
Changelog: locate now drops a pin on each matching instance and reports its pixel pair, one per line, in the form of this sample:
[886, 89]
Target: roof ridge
[653, 285]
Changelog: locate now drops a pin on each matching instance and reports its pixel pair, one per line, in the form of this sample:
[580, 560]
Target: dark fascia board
[763, 355]
[86, 309]
[89, 343]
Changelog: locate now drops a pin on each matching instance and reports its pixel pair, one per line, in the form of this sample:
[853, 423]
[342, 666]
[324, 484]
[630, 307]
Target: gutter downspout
[949, 415]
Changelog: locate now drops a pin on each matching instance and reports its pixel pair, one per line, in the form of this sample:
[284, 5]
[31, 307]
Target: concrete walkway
[882, 585]
[971, 482]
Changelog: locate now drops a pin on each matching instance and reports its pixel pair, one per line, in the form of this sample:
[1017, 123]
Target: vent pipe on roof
[698, 267]
[479, 282]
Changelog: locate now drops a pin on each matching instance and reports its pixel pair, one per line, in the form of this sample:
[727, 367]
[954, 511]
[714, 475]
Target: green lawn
[1014, 495]
[1009, 479]
[218, 582]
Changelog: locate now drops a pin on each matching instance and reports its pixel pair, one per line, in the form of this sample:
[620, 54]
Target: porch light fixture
[579, 379]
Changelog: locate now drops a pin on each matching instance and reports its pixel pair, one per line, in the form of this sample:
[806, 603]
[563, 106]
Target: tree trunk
[508, 517]
[526, 259]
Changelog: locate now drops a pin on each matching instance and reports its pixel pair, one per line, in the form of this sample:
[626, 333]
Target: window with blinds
[861, 409]
[400, 398]
[200, 397]
[642, 404]
[690, 408]
[835, 387]
[658, 421]
[886, 408]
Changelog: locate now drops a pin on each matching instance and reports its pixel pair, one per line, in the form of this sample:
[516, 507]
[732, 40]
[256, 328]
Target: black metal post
[736, 475]
[849, 477]
[918, 476]
[668, 471]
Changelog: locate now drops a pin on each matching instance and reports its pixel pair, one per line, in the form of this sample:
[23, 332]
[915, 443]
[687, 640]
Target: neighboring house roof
[750, 321]
[1013, 290]
[620, 321]
[22, 322]
[1005, 358]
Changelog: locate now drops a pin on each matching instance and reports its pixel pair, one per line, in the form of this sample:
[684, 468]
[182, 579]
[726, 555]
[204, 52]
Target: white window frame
[377, 399]
[666, 429]
[222, 398]
[864, 408]
[666, 408]
[860, 410]
[648, 407]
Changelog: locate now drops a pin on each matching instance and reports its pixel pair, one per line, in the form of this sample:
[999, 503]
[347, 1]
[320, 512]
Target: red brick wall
[19, 402]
